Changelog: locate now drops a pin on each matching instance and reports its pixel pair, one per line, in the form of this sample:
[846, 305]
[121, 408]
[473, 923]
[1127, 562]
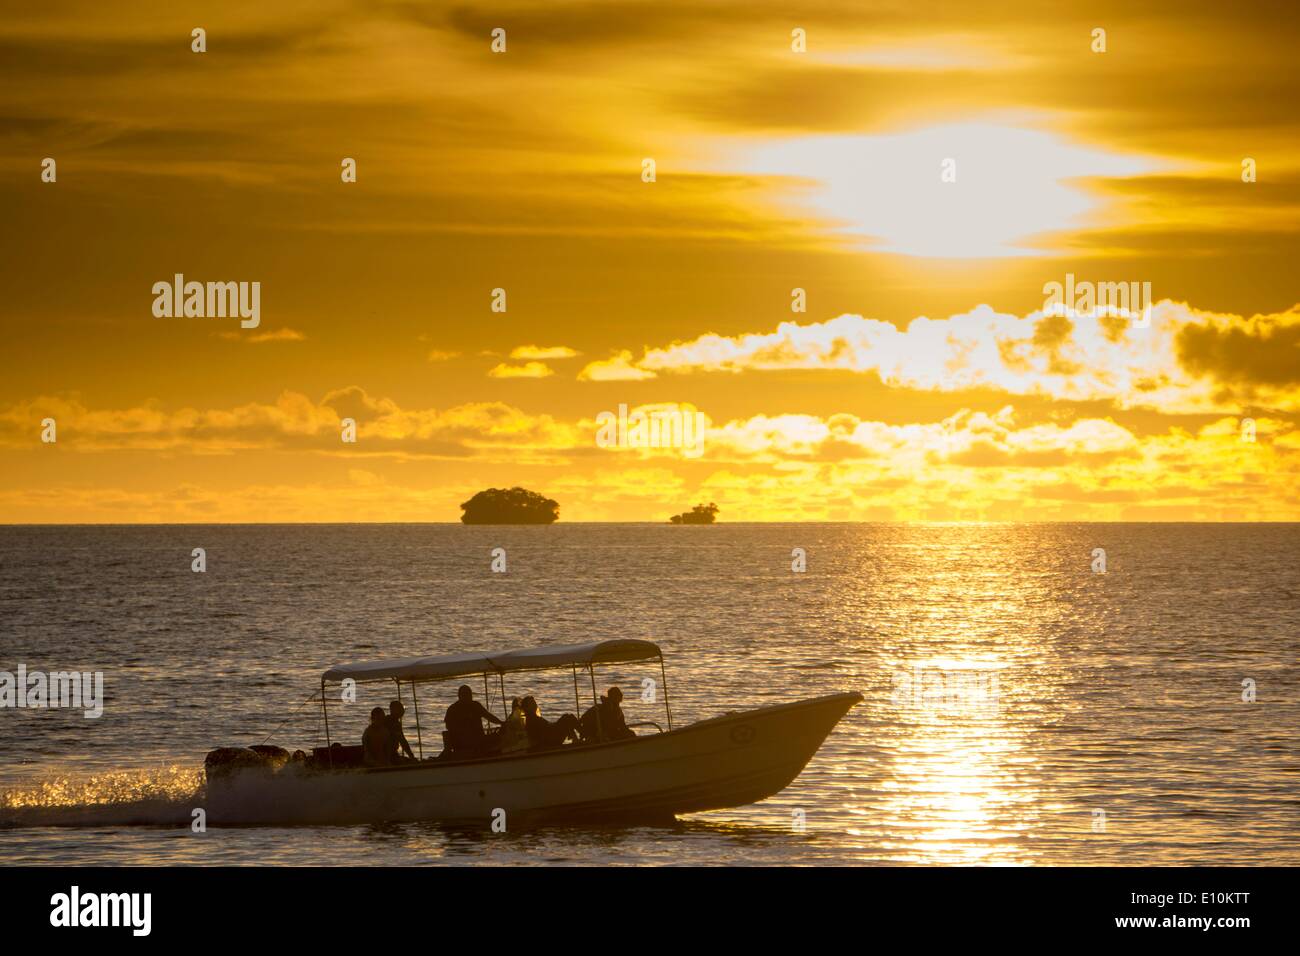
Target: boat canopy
[462, 665]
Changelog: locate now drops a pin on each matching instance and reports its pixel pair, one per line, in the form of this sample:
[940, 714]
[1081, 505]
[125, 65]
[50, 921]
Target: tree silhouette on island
[510, 506]
[700, 514]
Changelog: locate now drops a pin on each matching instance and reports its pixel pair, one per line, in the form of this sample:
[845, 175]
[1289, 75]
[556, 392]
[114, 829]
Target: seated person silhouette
[544, 735]
[395, 732]
[464, 721]
[514, 735]
[377, 742]
[605, 721]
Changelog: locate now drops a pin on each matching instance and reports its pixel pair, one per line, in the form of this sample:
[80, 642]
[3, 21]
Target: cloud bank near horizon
[1185, 361]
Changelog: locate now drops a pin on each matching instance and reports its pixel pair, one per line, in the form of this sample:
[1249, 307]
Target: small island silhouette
[700, 514]
[510, 506]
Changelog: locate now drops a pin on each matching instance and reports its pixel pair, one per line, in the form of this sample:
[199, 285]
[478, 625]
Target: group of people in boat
[384, 742]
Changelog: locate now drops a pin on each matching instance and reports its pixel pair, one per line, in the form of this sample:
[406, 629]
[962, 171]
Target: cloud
[1262, 352]
[620, 368]
[1186, 361]
[545, 353]
[295, 423]
[969, 438]
[260, 338]
[355, 403]
[527, 370]
[439, 355]
[787, 466]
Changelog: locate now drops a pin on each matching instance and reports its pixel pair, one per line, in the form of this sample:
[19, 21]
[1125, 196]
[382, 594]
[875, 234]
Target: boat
[736, 758]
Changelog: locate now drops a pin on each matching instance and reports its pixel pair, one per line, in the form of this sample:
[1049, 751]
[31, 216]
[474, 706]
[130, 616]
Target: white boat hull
[726, 761]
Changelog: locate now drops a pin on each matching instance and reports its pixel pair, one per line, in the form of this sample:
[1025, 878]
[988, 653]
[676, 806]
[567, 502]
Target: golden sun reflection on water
[946, 793]
[958, 780]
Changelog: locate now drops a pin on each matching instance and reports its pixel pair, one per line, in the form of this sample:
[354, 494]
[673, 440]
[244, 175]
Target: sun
[965, 190]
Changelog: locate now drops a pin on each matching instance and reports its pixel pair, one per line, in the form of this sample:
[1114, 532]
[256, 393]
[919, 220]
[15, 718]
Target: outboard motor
[229, 760]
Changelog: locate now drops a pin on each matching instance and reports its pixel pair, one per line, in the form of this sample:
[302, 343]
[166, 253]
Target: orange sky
[921, 171]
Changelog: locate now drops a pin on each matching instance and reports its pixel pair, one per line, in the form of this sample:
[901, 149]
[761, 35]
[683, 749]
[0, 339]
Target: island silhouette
[510, 506]
[700, 514]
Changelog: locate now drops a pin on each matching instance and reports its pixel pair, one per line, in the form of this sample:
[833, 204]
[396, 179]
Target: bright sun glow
[1010, 184]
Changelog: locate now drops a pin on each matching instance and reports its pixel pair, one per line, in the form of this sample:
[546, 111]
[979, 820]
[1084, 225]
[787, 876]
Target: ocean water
[1021, 708]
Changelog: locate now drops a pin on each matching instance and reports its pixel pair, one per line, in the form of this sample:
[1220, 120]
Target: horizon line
[240, 524]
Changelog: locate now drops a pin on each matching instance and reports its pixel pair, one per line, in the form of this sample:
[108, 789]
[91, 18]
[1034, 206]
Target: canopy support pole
[664, 674]
[324, 709]
[595, 702]
[419, 741]
[501, 684]
[576, 703]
